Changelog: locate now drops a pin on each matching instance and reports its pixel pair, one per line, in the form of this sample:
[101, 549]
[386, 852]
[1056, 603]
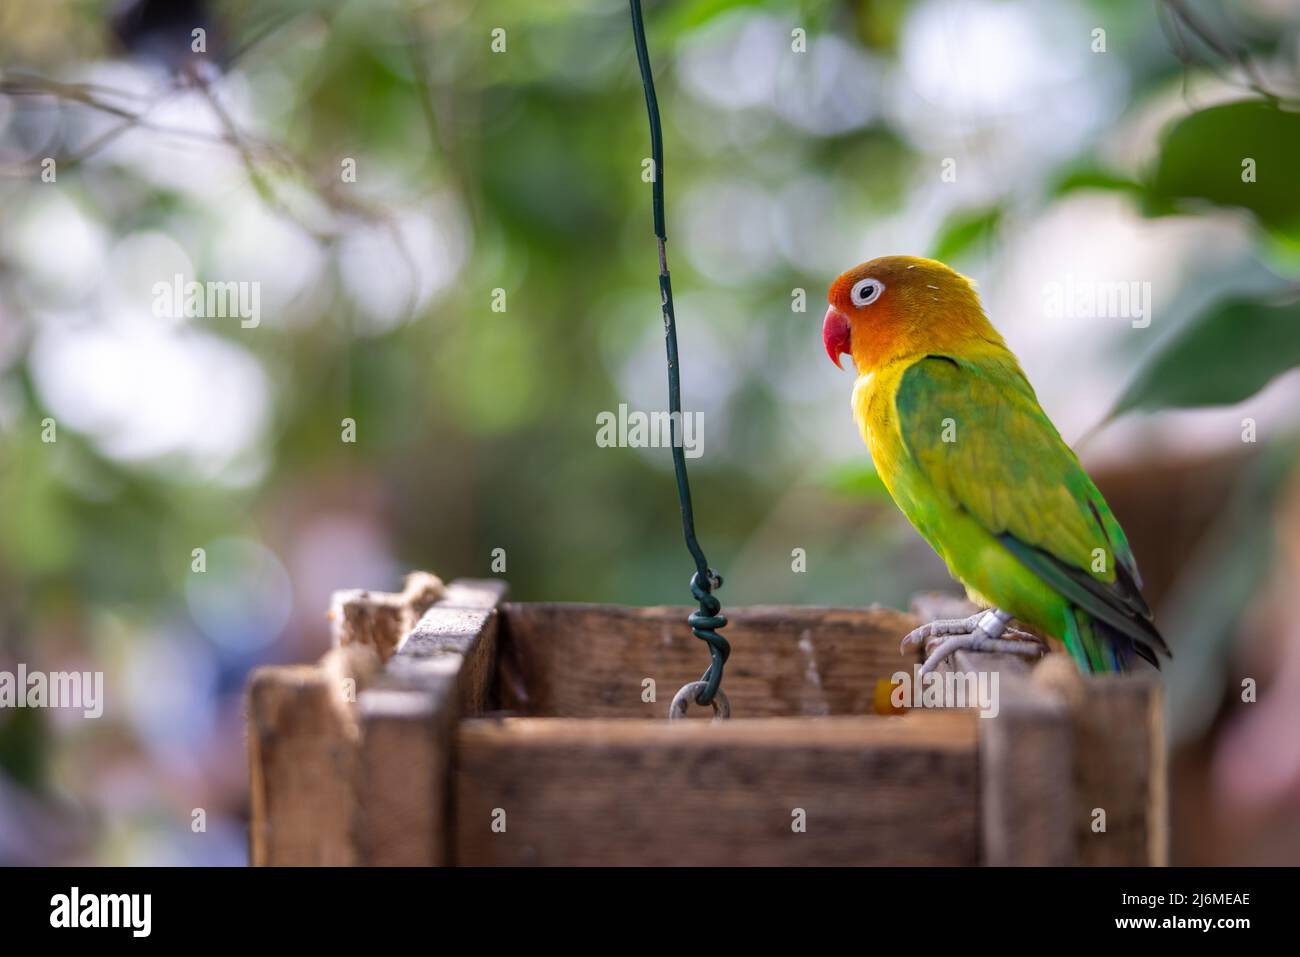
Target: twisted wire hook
[704, 625]
[705, 622]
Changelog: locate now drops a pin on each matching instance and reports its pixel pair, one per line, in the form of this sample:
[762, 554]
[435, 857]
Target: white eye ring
[866, 291]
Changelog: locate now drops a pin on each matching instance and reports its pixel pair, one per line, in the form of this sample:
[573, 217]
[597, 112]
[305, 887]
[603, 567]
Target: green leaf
[1225, 355]
[964, 230]
[1080, 178]
[1208, 156]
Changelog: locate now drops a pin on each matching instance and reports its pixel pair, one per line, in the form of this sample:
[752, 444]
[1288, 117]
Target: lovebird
[966, 452]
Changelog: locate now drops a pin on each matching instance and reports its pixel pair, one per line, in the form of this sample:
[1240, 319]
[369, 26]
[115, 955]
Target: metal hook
[689, 693]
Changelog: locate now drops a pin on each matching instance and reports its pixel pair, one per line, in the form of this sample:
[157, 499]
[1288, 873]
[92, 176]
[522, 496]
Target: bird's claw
[985, 631]
[939, 628]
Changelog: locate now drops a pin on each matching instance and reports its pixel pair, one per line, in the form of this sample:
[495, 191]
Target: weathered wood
[381, 619]
[360, 761]
[350, 763]
[302, 764]
[1026, 771]
[440, 671]
[1120, 769]
[1063, 748]
[1026, 754]
[591, 661]
[458, 635]
[405, 763]
[872, 790]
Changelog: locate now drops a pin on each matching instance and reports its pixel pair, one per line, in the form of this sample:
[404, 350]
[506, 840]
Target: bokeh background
[1079, 156]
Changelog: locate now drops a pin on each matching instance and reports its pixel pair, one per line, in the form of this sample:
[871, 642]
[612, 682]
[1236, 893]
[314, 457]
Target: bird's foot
[986, 631]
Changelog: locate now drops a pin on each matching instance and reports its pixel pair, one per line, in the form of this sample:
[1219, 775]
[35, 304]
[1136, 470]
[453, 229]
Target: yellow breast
[875, 414]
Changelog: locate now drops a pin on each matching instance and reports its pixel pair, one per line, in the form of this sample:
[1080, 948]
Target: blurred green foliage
[1223, 356]
[1239, 154]
[476, 426]
[965, 230]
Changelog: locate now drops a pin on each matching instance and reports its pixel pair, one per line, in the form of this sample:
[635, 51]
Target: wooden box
[448, 726]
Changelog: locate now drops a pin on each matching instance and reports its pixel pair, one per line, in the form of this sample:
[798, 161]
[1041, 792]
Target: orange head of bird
[897, 306]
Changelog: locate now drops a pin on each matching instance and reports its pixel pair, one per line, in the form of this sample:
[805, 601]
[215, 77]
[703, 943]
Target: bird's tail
[1098, 646]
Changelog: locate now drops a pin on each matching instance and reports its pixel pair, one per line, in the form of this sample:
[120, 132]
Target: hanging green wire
[705, 622]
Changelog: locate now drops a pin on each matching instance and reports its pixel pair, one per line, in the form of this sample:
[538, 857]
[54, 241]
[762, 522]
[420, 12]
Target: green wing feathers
[976, 433]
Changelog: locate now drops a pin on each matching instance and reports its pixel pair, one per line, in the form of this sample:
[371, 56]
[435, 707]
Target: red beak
[836, 335]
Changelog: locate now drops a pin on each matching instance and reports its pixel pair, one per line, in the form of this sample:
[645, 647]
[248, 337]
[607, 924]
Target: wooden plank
[1121, 770]
[302, 761]
[405, 763]
[457, 635]
[1063, 748]
[349, 759]
[1026, 751]
[873, 790]
[373, 781]
[1026, 771]
[440, 671]
[592, 661]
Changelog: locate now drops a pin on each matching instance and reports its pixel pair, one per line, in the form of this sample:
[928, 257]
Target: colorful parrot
[958, 437]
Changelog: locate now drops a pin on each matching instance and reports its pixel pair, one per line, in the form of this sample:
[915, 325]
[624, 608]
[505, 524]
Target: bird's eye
[867, 291]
